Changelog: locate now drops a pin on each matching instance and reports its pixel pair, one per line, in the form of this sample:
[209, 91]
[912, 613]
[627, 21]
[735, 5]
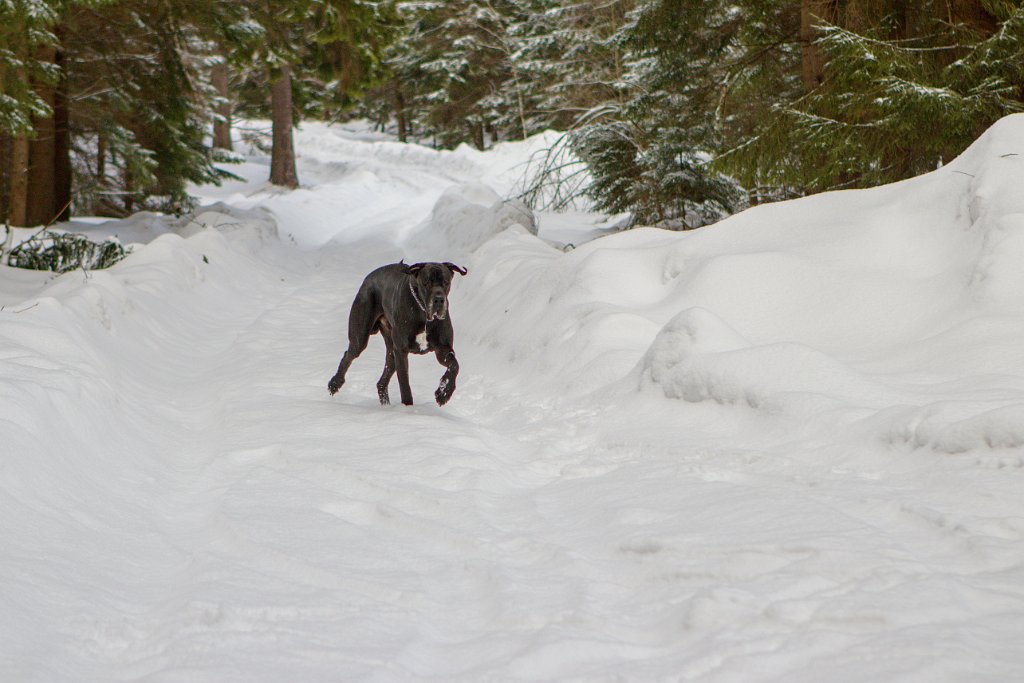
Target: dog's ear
[414, 268]
[454, 268]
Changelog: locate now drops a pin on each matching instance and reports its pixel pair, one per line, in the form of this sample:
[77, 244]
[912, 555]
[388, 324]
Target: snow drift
[466, 216]
[851, 301]
[785, 447]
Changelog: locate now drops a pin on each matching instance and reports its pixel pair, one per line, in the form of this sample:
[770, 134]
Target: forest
[776, 437]
[683, 111]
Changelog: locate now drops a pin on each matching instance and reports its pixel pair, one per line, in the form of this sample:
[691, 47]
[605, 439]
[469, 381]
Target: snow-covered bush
[65, 251]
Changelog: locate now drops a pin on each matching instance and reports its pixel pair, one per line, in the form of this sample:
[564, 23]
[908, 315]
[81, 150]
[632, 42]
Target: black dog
[408, 305]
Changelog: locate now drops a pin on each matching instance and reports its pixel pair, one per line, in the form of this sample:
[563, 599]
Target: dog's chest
[421, 342]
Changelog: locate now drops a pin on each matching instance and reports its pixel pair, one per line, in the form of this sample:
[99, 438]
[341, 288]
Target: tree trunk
[222, 124]
[813, 14]
[101, 159]
[403, 129]
[5, 169]
[99, 198]
[62, 178]
[282, 156]
[31, 168]
[129, 190]
[40, 208]
[478, 134]
[974, 14]
[19, 181]
[5, 177]
[519, 101]
[41, 177]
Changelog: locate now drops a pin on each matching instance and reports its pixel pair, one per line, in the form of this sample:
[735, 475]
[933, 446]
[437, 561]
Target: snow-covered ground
[789, 447]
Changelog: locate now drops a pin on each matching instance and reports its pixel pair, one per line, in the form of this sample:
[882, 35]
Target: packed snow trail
[182, 500]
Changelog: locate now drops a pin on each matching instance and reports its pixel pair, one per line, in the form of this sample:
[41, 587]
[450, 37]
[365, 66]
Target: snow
[785, 447]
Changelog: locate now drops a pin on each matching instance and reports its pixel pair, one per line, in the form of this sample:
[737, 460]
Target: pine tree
[901, 93]
[113, 98]
[139, 118]
[482, 71]
[314, 55]
[650, 154]
[27, 78]
[104, 107]
[568, 59]
[225, 44]
[456, 57]
[25, 28]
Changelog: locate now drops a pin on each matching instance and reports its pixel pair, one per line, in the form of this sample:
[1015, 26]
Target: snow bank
[356, 186]
[466, 216]
[842, 302]
[697, 357]
[85, 334]
[786, 447]
[104, 398]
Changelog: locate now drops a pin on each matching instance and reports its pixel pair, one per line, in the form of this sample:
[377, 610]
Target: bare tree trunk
[32, 163]
[5, 178]
[222, 124]
[129, 191]
[7, 160]
[62, 178]
[519, 101]
[862, 15]
[403, 131]
[282, 156]
[99, 199]
[477, 128]
[813, 14]
[974, 14]
[19, 181]
[5, 170]
[101, 159]
[40, 203]
[40, 200]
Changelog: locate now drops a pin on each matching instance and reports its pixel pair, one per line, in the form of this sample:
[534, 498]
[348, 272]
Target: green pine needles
[888, 109]
[62, 252]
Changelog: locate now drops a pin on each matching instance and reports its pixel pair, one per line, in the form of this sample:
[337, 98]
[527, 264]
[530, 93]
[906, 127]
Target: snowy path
[184, 501]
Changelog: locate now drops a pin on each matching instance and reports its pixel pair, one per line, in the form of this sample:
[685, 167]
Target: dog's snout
[438, 306]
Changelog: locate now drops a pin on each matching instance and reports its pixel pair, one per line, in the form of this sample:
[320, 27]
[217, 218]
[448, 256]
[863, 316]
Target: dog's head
[432, 282]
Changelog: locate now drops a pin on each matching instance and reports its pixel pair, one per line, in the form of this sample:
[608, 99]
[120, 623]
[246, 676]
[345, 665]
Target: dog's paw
[334, 385]
[444, 392]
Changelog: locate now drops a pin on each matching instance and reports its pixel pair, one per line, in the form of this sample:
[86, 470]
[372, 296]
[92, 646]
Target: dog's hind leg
[389, 367]
[361, 324]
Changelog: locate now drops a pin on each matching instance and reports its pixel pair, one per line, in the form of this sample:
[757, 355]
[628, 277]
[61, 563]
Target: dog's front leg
[446, 357]
[402, 368]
